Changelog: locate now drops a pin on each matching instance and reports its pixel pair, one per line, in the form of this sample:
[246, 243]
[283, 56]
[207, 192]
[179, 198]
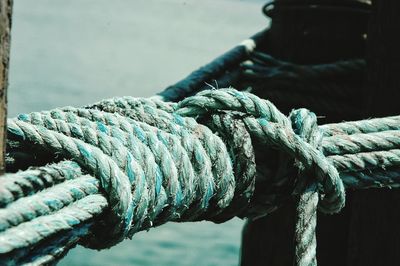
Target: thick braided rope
[218, 164]
[204, 146]
[155, 164]
[269, 126]
[55, 209]
[15, 186]
[98, 132]
[345, 162]
[113, 180]
[158, 113]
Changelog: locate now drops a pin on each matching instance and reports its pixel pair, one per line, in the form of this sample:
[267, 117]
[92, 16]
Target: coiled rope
[128, 164]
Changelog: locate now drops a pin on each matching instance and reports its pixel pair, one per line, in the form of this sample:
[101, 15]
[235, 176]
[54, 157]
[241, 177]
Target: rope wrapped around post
[128, 164]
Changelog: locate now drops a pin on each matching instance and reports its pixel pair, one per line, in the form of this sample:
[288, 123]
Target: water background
[77, 52]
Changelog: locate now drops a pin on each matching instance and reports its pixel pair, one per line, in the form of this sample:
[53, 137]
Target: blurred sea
[78, 52]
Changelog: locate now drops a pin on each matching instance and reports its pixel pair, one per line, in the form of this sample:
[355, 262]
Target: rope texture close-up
[128, 164]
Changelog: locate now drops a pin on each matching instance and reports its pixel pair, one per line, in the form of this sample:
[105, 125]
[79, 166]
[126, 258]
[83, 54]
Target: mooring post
[5, 37]
[309, 32]
[374, 236]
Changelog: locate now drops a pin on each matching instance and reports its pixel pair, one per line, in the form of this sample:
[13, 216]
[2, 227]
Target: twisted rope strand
[362, 126]
[206, 154]
[113, 180]
[366, 160]
[47, 201]
[304, 124]
[356, 143]
[154, 162]
[25, 183]
[22, 236]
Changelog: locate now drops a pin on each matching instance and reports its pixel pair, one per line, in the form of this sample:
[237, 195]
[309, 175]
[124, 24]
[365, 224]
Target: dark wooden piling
[5, 33]
[374, 236]
[366, 231]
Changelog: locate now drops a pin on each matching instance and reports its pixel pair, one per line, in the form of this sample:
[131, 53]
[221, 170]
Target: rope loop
[267, 125]
[304, 124]
[194, 160]
[153, 165]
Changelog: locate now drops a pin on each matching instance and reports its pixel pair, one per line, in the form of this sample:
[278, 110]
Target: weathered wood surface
[5, 33]
[365, 232]
[374, 235]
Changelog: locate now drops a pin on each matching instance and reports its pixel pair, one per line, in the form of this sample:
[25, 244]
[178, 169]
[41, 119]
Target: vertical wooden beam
[366, 232]
[308, 37]
[374, 235]
[5, 37]
[383, 51]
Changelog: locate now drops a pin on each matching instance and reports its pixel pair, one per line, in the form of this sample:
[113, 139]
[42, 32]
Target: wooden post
[309, 36]
[374, 235]
[5, 34]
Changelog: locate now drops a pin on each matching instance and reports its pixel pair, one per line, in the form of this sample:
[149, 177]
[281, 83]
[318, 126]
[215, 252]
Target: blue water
[77, 52]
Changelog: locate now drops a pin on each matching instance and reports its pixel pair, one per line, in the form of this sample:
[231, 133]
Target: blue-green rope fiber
[128, 164]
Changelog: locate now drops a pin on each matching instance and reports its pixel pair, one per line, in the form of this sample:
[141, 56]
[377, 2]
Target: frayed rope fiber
[128, 164]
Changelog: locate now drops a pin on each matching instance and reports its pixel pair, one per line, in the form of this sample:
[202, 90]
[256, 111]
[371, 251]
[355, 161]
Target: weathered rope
[304, 124]
[224, 69]
[139, 163]
[330, 88]
[306, 246]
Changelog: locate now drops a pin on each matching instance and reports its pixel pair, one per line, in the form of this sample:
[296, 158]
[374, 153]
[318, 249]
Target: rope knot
[153, 165]
[268, 126]
[304, 124]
